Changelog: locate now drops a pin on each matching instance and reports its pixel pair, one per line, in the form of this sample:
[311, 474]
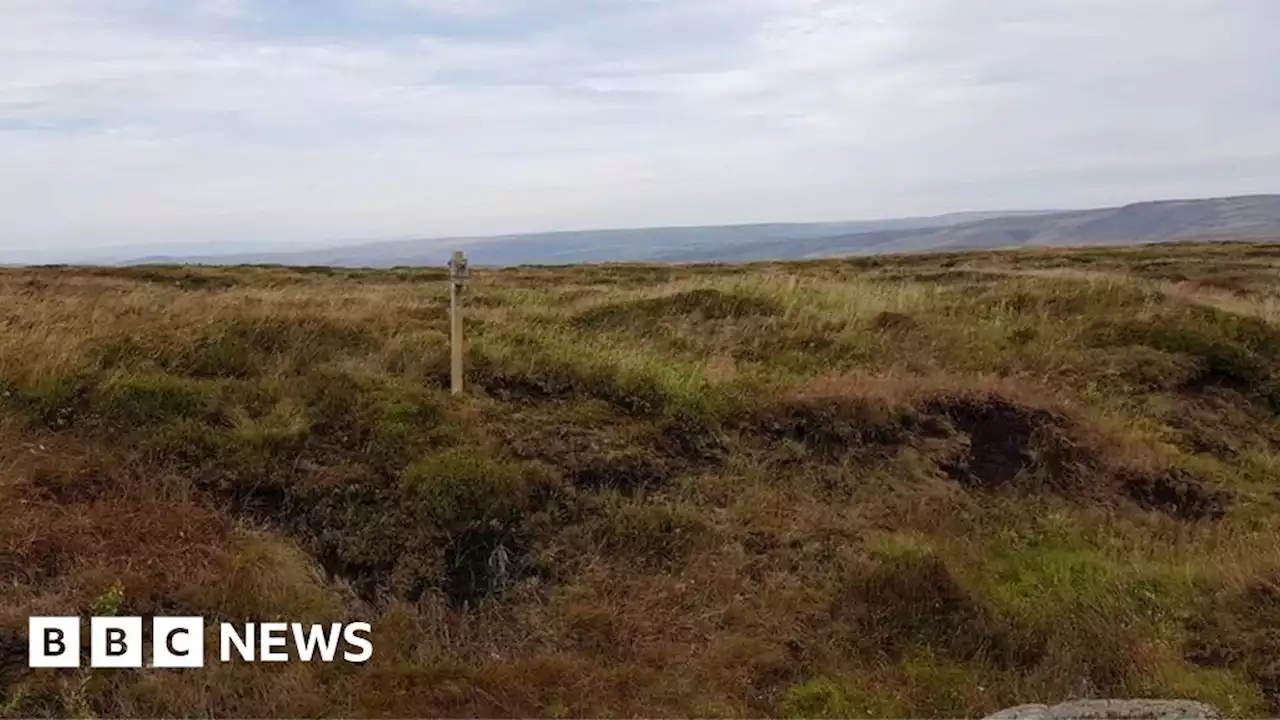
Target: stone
[1142, 709]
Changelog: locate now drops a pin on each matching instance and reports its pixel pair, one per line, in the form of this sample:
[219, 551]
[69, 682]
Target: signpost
[458, 274]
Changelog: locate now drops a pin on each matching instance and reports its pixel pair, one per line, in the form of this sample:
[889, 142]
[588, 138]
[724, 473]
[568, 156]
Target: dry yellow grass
[918, 485]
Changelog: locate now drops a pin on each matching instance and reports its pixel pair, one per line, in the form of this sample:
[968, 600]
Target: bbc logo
[116, 642]
[178, 642]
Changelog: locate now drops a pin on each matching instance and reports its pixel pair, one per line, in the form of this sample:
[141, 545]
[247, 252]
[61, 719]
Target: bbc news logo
[179, 642]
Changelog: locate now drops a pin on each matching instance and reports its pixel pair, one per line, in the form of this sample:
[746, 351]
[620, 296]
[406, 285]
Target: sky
[288, 123]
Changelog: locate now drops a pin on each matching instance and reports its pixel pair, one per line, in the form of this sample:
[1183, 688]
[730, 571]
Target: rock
[1112, 710]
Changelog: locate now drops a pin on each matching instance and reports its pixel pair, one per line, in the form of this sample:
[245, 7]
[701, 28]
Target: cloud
[151, 120]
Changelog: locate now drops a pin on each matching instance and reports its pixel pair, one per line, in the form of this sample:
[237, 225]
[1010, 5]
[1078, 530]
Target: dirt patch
[693, 439]
[525, 388]
[630, 473]
[479, 563]
[13, 657]
[982, 441]
[1009, 445]
[1177, 493]
[627, 457]
[265, 501]
[838, 425]
[636, 395]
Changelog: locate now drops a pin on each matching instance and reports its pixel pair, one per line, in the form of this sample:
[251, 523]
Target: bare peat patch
[1177, 493]
[1009, 445]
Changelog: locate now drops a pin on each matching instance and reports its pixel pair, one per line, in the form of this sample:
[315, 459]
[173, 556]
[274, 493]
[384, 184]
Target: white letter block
[115, 642]
[177, 642]
[53, 642]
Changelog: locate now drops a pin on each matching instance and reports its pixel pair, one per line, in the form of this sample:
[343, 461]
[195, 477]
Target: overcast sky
[289, 122]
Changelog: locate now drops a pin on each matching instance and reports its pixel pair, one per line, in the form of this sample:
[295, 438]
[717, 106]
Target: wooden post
[458, 274]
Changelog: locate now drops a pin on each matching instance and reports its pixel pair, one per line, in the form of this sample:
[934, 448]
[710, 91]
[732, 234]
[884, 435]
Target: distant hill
[580, 246]
[1252, 217]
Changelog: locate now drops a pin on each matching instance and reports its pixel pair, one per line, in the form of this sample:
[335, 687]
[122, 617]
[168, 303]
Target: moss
[465, 486]
[920, 685]
[836, 425]
[147, 400]
[411, 423]
[1092, 612]
[823, 698]
[1231, 692]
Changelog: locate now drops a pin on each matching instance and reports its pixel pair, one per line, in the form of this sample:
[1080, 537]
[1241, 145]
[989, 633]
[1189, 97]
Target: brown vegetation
[931, 485]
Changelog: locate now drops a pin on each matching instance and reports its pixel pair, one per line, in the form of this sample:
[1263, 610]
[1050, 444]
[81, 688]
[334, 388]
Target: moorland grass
[934, 484]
